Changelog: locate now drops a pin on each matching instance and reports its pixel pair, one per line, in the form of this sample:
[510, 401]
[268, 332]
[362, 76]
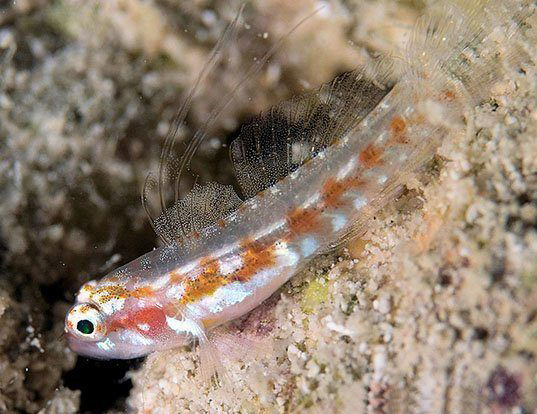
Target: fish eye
[85, 327]
[86, 322]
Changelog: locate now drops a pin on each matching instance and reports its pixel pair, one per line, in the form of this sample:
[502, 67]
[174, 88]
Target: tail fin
[467, 41]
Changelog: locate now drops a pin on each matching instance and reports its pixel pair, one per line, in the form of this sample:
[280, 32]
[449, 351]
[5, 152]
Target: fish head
[101, 325]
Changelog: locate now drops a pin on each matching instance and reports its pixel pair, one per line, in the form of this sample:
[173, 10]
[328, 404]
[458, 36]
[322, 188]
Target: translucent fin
[222, 346]
[171, 168]
[212, 370]
[169, 165]
[279, 141]
[467, 41]
[203, 206]
[234, 345]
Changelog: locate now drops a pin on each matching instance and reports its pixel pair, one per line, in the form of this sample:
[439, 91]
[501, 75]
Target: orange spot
[142, 292]
[398, 125]
[398, 131]
[370, 156]
[333, 190]
[254, 259]
[221, 223]
[107, 293]
[447, 95]
[111, 292]
[206, 283]
[114, 279]
[210, 266]
[303, 220]
[176, 277]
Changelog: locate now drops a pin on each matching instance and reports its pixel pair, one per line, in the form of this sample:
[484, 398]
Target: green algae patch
[316, 293]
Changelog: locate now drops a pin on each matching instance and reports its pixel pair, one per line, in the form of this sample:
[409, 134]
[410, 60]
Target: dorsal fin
[202, 207]
[279, 141]
[172, 168]
[171, 165]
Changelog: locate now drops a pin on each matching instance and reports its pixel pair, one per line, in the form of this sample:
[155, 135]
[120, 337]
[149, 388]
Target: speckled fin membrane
[464, 39]
[172, 225]
[202, 207]
[279, 141]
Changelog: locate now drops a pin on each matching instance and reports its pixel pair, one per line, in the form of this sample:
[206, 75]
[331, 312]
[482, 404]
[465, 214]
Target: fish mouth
[85, 348]
[104, 350]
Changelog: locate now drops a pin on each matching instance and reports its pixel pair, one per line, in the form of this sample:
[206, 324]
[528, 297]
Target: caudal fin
[470, 42]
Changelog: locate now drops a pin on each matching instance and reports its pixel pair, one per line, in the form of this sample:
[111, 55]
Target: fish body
[247, 256]
[180, 291]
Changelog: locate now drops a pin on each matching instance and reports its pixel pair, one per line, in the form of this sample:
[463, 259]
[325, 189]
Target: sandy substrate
[433, 311]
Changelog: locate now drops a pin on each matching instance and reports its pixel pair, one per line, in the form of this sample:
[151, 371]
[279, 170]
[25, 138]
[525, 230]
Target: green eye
[84, 326]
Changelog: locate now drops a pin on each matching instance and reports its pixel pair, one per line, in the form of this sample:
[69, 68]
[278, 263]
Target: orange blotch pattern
[114, 292]
[107, 293]
[142, 292]
[254, 259]
[371, 156]
[206, 283]
[308, 220]
[448, 95]
[303, 220]
[334, 190]
[176, 277]
[398, 131]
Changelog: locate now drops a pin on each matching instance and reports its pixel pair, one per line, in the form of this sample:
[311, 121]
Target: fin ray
[202, 207]
[468, 42]
[168, 169]
[169, 224]
[277, 142]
